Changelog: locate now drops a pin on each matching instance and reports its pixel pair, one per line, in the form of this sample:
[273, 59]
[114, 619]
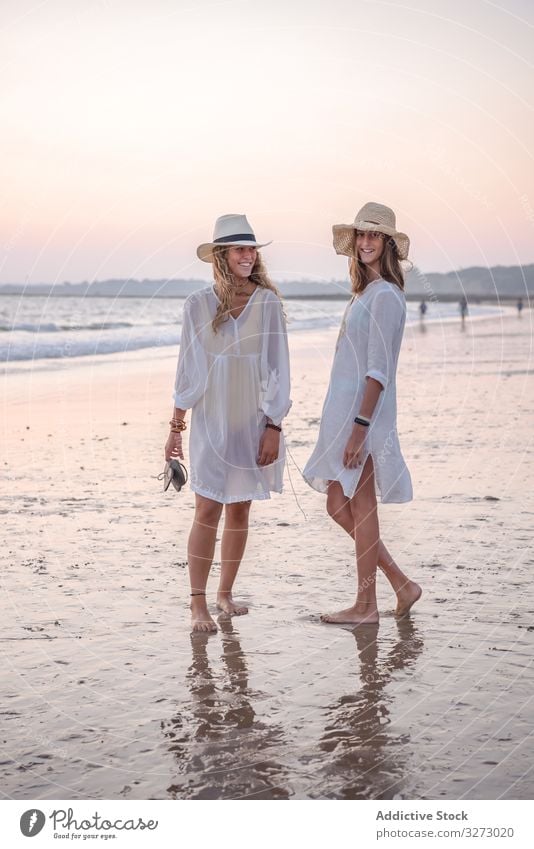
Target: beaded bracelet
[274, 427]
[178, 424]
[362, 421]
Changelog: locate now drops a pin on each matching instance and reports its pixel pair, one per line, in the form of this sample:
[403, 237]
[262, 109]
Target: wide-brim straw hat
[372, 216]
[229, 230]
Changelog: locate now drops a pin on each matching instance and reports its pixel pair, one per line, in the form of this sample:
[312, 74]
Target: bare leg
[365, 521]
[406, 590]
[200, 550]
[233, 544]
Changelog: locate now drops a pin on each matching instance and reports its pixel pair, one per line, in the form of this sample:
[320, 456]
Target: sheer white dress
[233, 380]
[368, 346]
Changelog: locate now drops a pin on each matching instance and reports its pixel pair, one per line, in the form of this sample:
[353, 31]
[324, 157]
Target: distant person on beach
[233, 371]
[519, 307]
[462, 306]
[358, 451]
[422, 309]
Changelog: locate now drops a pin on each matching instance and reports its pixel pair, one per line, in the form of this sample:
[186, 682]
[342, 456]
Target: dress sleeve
[386, 313]
[275, 379]
[192, 369]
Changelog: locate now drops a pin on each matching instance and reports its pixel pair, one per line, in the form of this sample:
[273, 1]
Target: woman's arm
[386, 312]
[190, 381]
[275, 401]
[373, 388]
[192, 369]
[173, 446]
[275, 375]
[353, 454]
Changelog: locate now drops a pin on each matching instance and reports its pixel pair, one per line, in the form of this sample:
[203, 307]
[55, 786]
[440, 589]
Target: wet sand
[106, 695]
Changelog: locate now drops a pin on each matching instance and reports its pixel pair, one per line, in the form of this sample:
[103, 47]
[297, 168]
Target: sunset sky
[128, 126]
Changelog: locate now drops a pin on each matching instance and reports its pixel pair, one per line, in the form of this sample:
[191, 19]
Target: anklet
[201, 593]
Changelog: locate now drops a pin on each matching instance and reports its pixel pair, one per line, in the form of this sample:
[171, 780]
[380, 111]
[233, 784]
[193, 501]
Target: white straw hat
[372, 216]
[229, 230]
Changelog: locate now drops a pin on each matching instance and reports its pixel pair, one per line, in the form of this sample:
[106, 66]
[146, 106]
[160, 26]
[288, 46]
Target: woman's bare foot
[201, 620]
[226, 603]
[406, 597]
[358, 614]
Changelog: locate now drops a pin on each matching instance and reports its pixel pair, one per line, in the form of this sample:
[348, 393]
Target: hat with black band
[230, 230]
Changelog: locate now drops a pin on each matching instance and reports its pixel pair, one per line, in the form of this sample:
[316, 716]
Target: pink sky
[127, 127]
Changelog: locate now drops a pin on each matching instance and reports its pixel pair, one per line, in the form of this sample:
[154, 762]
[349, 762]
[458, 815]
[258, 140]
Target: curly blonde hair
[390, 267]
[224, 282]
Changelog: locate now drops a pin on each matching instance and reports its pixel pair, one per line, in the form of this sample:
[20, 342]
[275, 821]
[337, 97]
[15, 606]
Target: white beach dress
[233, 380]
[368, 346]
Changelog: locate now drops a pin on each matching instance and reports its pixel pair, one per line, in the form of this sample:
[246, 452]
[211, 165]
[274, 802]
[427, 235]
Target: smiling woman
[233, 371]
[358, 450]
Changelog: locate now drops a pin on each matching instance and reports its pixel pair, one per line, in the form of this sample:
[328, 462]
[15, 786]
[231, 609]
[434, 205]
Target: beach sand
[106, 694]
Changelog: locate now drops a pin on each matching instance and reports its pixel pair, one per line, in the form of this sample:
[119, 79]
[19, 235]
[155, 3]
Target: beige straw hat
[229, 230]
[372, 216]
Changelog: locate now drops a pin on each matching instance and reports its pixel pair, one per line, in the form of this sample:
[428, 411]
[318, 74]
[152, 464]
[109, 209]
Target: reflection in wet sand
[222, 750]
[366, 758]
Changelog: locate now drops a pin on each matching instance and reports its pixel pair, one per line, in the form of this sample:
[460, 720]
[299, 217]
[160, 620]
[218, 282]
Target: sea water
[43, 327]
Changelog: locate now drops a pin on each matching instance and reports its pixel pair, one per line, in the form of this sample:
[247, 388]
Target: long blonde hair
[224, 282]
[390, 268]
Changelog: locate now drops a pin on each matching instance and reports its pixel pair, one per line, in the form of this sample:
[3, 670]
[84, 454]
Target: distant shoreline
[476, 299]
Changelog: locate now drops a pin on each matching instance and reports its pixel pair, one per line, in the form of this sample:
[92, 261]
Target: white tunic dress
[233, 380]
[368, 346]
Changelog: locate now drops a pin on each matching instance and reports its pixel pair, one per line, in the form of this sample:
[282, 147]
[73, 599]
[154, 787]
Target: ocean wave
[55, 340]
[51, 327]
[85, 345]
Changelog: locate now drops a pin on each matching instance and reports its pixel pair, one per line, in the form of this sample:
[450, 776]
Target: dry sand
[106, 695]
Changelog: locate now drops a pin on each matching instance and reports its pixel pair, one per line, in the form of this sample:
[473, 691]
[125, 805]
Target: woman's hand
[353, 455]
[269, 447]
[173, 447]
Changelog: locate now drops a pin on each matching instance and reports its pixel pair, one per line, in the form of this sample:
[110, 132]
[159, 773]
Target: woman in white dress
[233, 371]
[358, 451]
